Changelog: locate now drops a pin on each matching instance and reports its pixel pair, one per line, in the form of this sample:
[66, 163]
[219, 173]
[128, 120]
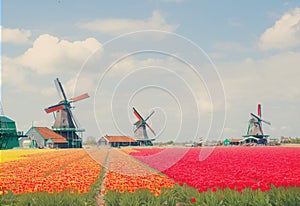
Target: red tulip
[233, 167]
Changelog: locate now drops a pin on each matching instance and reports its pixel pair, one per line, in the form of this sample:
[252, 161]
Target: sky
[202, 66]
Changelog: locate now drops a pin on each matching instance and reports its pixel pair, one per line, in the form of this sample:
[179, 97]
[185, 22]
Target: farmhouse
[45, 137]
[116, 141]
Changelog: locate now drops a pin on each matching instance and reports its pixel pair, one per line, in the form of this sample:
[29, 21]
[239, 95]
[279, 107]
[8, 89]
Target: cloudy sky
[202, 66]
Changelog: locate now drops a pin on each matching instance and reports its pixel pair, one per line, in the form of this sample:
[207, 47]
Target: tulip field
[151, 176]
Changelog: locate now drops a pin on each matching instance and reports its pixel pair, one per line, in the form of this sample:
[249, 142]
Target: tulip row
[235, 167]
[56, 171]
[127, 174]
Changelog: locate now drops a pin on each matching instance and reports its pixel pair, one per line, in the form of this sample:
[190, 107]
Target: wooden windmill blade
[148, 124]
[259, 110]
[80, 97]
[54, 108]
[151, 129]
[256, 117]
[268, 123]
[135, 112]
[60, 89]
[60, 95]
[149, 115]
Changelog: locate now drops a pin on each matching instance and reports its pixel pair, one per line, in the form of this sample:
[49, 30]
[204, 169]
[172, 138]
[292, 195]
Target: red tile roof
[119, 139]
[48, 133]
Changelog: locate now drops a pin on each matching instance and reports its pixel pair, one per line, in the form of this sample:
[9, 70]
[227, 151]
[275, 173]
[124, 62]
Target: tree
[170, 142]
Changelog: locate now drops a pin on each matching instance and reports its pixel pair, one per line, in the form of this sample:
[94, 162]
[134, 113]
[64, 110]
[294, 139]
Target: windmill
[140, 133]
[255, 126]
[65, 123]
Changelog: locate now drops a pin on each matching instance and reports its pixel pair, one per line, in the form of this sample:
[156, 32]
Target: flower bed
[235, 167]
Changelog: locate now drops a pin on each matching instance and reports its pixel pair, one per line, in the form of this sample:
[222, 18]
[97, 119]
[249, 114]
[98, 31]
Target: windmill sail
[259, 110]
[60, 88]
[150, 128]
[54, 108]
[137, 114]
[80, 97]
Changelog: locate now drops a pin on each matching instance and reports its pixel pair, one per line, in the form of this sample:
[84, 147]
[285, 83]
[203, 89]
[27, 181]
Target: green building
[8, 133]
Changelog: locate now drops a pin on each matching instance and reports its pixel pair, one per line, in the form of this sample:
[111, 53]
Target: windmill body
[65, 123]
[254, 128]
[63, 119]
[140, 132]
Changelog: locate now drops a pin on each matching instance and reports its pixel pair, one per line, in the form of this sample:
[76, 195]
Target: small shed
[45, 137]
[116, 141]
[25, 142]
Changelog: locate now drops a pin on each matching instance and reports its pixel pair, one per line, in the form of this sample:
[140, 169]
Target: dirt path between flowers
[103, 160]
[100, 197]
[100, 201]
[109, 158]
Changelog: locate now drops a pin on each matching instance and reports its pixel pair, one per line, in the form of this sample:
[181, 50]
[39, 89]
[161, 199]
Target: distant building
[116, 141]
[237, 141]
[45, 137]
[244, 141]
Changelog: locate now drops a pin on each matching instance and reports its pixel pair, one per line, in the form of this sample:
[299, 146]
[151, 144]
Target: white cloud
[48, 58]
[272, 78]
[50, 54]
[16, 36]
[285, 33]
[121, 26]
[14, 75]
